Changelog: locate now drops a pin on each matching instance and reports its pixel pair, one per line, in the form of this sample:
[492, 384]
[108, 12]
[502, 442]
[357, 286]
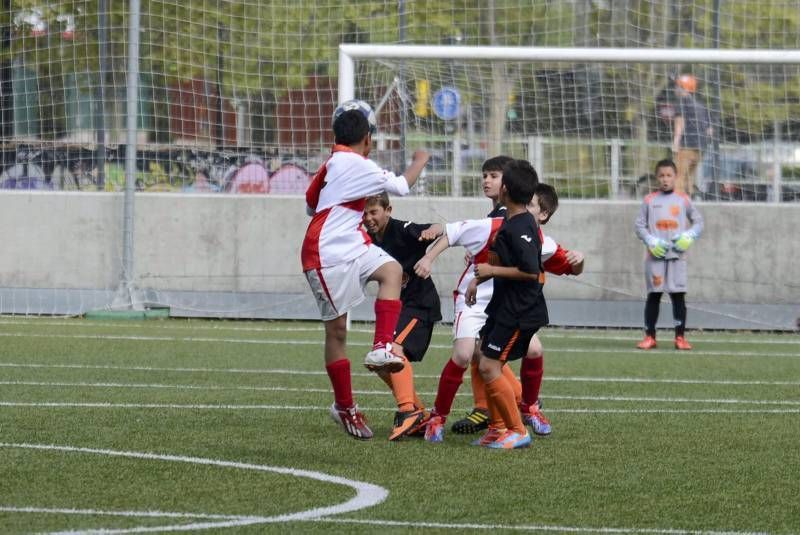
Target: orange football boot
[648, 343]
[681, 343]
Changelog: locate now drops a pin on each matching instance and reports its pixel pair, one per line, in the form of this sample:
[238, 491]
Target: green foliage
[274, 45]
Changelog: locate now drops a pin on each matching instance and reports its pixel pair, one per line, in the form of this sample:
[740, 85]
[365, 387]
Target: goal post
[771, 152]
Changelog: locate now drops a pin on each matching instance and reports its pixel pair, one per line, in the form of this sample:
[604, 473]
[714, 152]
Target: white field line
[581, 334]
[367, 494]
[96, 512]
[228, 407]
[383, 523]
[319, 343]
[270, 371]
[533, 527]
[387, 393]
[388, 523]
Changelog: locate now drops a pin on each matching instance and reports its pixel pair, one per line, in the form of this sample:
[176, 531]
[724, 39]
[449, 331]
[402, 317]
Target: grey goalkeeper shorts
[665, 275]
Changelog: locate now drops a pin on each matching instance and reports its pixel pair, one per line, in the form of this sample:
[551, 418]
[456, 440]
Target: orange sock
[418, 402]
[478, 387]
[495, 419]
[403, 387]
[511, 377]
[502, 395]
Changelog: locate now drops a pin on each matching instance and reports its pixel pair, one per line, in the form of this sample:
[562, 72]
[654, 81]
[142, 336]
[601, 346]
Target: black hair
[350, 127]
[666, 162]
[495, 164]
[520, 180]
[547, 198]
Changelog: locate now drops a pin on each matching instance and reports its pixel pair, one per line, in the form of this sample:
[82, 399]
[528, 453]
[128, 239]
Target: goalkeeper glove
[657, 246]
[683, 241]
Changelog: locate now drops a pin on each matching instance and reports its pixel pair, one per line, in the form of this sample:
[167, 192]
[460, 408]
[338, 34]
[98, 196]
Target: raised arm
[418, 162]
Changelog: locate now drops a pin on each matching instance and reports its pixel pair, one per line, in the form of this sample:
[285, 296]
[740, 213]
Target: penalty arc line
[367, 494]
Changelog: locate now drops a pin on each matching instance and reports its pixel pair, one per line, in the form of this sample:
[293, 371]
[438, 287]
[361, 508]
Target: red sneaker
[648, 343]
[352, 421]
[681, 343]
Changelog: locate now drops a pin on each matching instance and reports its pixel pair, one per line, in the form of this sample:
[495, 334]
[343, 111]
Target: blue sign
[447, 103]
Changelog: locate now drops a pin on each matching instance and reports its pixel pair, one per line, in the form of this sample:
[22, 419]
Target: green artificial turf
[231, 414]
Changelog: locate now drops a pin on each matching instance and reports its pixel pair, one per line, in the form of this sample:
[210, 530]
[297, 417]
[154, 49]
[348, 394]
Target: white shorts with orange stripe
[338, 289]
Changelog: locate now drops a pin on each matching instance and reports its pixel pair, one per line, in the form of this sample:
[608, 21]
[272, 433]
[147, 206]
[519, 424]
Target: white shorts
[468, 322]
[337, 289]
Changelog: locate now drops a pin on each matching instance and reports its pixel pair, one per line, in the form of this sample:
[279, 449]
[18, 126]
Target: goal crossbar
[348, 53]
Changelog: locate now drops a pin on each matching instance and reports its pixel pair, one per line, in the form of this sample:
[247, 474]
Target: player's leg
[679, 314]
[676, 284]
[336, 291]
[478, 418]
[531, 373]
[410, 342]
[498, 345]
[655, 273]
[651, 309]
[376, 265]
[344, 410]
[464, 354]
[449, 382]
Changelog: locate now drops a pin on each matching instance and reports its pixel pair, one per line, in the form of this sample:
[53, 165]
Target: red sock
[449, 381]
[339, 373]
[531, 372]
[387, 311]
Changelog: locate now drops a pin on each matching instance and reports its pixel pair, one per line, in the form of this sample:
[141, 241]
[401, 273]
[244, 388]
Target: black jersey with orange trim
[519, 303]
[401, 240]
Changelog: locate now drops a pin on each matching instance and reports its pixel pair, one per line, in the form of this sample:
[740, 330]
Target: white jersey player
[339, 259]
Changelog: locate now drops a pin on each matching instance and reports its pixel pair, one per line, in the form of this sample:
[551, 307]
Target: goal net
[593, 121]
[229, 115]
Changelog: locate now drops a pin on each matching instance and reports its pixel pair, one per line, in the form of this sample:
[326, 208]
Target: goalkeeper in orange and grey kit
[668, 224]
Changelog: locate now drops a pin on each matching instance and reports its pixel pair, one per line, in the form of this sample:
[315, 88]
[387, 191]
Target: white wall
[748, 254]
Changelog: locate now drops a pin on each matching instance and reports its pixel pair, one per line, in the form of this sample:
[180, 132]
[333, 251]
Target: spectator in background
[691, 130]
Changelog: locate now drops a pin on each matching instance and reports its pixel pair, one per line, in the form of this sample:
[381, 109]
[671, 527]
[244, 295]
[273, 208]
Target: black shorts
[413, 334]
[503, 343]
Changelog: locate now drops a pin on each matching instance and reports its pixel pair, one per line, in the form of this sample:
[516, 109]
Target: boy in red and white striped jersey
[339, 259]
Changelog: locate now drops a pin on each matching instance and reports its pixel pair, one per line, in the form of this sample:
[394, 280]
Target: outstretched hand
[431, 233]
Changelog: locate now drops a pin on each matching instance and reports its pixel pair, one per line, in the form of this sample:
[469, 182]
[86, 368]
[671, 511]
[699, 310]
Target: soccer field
[223, 426]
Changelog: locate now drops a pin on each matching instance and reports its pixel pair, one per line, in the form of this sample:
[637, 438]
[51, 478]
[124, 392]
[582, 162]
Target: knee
[336, 331]
[394, 270]
[535, 348]
[462, 358]
[488, 369]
